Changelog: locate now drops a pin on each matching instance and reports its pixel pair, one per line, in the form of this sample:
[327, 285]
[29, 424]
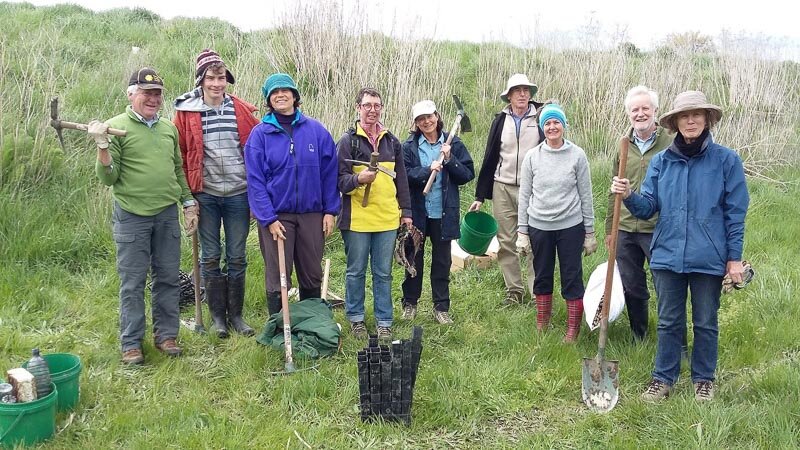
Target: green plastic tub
[28, 423]
[477, 230]
[65, 372]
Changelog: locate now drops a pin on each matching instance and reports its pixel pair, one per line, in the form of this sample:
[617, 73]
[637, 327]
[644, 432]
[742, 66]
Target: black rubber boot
[235, 306]
[310, 293]
[216, 293]
[273, 302]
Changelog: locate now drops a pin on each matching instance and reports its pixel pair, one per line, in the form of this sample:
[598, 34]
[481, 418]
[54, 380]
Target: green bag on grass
[314, 332]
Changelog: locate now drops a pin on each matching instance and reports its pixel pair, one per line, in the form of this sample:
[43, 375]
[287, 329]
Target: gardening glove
[190, 219]
[589, 244]
[99, 132]
[523, 244]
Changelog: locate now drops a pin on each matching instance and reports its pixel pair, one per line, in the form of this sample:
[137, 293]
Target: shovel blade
[600, 384]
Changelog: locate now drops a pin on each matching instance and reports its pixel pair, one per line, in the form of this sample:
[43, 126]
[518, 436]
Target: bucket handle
[13, 425]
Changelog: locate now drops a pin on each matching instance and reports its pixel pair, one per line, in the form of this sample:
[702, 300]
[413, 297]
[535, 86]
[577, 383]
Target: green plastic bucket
[28, 423]
[65, 372]
[477, 231]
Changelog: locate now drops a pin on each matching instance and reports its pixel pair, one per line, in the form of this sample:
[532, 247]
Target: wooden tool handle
[325, 274]
[84, 127]
[612, 250]
[287, 324]
[432, 177]
[198, 309]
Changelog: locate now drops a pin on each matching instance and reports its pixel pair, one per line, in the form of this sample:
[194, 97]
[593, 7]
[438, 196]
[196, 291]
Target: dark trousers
[568, 245]
[440, 269]
[303, 247]
[633, 249]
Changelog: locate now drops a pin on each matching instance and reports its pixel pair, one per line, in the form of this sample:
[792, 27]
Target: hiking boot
[358, 329]
[704, 391]
[409, 312]
[513, 298]
[443, 317]
[169, 347]
[656, 390]
[132, 356]
[384, 333]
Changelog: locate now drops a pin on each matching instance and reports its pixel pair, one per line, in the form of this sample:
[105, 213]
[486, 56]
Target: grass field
[488, 381]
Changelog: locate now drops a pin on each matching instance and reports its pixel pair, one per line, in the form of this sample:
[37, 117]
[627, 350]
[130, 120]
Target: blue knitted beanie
[279, 81]
[552, 111]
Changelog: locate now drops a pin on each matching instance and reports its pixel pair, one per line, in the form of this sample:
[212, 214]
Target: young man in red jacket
[214, 127]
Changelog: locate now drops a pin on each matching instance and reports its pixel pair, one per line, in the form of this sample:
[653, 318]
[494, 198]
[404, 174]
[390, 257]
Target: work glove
[523, 244]
[190, 219]
[99, 132]
[589, 244]
[747, 276]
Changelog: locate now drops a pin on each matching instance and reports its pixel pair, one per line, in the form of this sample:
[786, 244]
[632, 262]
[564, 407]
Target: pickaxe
[461, 123]
[59, 124]
[372, 166]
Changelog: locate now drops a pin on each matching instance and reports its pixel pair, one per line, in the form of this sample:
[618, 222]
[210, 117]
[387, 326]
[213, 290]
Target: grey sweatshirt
[555, 191]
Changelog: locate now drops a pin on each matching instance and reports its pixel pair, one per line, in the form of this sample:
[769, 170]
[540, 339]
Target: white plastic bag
[594, 294]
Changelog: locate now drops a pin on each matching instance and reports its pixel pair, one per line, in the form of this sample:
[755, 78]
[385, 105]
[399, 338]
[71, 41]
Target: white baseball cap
[422, 108]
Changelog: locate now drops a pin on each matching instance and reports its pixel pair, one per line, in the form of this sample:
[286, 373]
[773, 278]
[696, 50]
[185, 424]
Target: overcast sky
[645, 23]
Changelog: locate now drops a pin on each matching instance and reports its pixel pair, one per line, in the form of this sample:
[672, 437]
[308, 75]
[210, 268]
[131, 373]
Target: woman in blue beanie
[556, 217]
[291, 177]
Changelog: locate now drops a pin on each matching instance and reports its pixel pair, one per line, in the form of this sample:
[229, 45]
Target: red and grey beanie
[205, 59]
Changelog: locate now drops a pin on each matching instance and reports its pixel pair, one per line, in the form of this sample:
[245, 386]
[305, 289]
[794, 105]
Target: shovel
[600, 383]
[461, 123]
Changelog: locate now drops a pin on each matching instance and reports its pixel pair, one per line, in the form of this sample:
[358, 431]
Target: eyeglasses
[371, 106]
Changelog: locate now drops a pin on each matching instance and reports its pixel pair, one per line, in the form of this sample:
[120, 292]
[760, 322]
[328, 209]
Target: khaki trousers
[505, 200]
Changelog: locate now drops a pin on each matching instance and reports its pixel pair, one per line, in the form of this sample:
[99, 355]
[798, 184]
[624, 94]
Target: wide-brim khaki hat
[518, 79]
[688, 101]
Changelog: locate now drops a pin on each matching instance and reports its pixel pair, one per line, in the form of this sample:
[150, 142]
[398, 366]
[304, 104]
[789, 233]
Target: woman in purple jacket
[291, 177]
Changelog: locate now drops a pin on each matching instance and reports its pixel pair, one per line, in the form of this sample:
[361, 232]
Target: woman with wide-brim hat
[698, 189]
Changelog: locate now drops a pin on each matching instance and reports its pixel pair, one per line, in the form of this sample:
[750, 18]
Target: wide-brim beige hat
[518, 79]
[688, 101]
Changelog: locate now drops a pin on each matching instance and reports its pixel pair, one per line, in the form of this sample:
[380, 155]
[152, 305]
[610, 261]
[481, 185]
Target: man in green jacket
[644, 140]
[144, 170]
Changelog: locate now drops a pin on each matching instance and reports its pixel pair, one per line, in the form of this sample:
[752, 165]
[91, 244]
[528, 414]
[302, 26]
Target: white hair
[641, 90]
[132, 89]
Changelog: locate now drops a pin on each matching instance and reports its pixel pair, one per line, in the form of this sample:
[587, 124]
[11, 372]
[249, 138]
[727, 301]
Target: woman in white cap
[698, 189]
[514, 131]
[436, 214]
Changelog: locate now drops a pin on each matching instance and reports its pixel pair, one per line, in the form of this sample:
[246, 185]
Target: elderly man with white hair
[643, 139]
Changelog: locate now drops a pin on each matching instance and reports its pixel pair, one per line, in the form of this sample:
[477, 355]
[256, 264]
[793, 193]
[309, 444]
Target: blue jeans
[233, 214]
[359, 248]
[671, 289]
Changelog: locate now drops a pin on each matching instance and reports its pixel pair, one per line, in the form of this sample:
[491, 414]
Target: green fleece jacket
[635, 170]
[146, 174]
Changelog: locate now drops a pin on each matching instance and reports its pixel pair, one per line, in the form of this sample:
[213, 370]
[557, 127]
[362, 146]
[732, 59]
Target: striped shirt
[223, 161]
